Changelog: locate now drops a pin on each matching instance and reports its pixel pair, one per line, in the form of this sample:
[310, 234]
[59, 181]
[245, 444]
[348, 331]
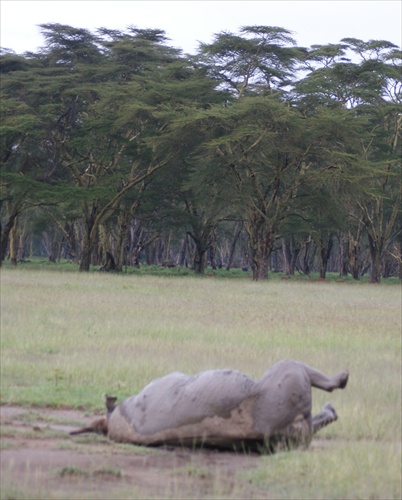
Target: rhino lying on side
[224, 409]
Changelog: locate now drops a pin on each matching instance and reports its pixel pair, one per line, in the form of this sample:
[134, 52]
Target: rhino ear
[110, 403]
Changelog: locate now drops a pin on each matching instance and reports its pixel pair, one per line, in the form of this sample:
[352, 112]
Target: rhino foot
[343, 379]
[326, 416]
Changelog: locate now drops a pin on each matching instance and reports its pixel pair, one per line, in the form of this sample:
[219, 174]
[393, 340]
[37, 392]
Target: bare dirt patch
[40, 460]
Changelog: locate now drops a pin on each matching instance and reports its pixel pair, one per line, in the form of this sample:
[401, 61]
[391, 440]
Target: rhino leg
[326, 383]
[326, 416]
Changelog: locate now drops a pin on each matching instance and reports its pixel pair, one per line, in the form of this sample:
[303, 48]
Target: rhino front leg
[326, 416]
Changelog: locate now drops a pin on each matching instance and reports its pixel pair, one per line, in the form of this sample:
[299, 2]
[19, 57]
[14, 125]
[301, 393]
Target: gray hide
[227, 409]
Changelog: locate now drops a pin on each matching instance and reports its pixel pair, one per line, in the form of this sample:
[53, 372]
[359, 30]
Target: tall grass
[67, 338]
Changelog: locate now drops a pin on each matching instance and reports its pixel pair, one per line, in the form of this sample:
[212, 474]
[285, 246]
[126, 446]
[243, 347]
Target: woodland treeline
[117, 149]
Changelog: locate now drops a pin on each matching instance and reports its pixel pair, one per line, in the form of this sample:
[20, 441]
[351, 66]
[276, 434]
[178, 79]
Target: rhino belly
[214, 405]
[236, 430]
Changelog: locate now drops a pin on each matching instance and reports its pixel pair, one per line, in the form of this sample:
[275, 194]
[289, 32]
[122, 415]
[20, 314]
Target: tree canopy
[117, 148]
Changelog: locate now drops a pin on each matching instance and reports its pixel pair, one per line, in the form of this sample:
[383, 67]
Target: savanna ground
[68, 338]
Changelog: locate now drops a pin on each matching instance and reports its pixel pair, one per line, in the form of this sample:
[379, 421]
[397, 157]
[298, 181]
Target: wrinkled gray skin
[227, 409]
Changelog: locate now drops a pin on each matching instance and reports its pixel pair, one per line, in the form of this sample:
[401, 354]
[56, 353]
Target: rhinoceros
[224, 409]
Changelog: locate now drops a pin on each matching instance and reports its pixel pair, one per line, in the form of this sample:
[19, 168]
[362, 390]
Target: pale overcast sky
[188, 22]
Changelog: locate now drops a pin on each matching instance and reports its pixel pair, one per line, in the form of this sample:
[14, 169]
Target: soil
[40, 460]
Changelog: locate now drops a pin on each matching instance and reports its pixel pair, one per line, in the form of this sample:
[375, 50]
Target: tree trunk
[202, 244]
[121, 241]
[199, 258]
[109, 263]
[150, 254]
[212, 250]
[168, 244]
[60, 249]
[5, 236]
[236, 235]
[325, 252]
[23, 234]
[389, 267]
[54, 249]
[30, 246]
[87, 248]
[72, 250]
[261, 245]
[160, 251]
[260, 266]
[14, 243]
[86, 255]
[354, 255]
[88, 236]
[135, 237]
[290, 253]
[343, 255]
[182, 255]
[306, 256]
[375, 254]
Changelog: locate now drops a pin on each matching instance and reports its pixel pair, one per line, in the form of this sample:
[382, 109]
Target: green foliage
[112, 126]
[256, 61]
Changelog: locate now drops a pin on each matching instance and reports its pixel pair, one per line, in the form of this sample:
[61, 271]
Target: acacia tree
[35, 102]
[262, 143]
[114, 152]
[246, 135]
[380, 202]
[169, 86]
[198, 195]
[92, 98]
[90, 120]
[243, 148]
[366, 187]
[206, 204]
[260, 60]
[25, 157]
[111, 98]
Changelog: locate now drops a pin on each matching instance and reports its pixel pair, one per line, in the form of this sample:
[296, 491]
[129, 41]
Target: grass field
[67, 338]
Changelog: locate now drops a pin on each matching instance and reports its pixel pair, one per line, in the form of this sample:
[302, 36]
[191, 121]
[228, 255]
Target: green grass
[67, 338]
[363, 471]
[67, 266]
[111, 472]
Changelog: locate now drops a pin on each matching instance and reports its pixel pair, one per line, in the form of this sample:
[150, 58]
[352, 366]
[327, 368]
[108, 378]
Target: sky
[189, 22]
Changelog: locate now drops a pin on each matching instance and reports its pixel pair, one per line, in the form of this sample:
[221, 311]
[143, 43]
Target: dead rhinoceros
[226, 409]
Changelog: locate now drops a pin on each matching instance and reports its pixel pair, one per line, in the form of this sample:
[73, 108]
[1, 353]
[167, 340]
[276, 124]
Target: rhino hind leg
[326, 416]
[296, 435]
[321, 381]
[300, 433]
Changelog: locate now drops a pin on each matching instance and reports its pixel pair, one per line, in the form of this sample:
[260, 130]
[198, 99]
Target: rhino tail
[97, 427]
